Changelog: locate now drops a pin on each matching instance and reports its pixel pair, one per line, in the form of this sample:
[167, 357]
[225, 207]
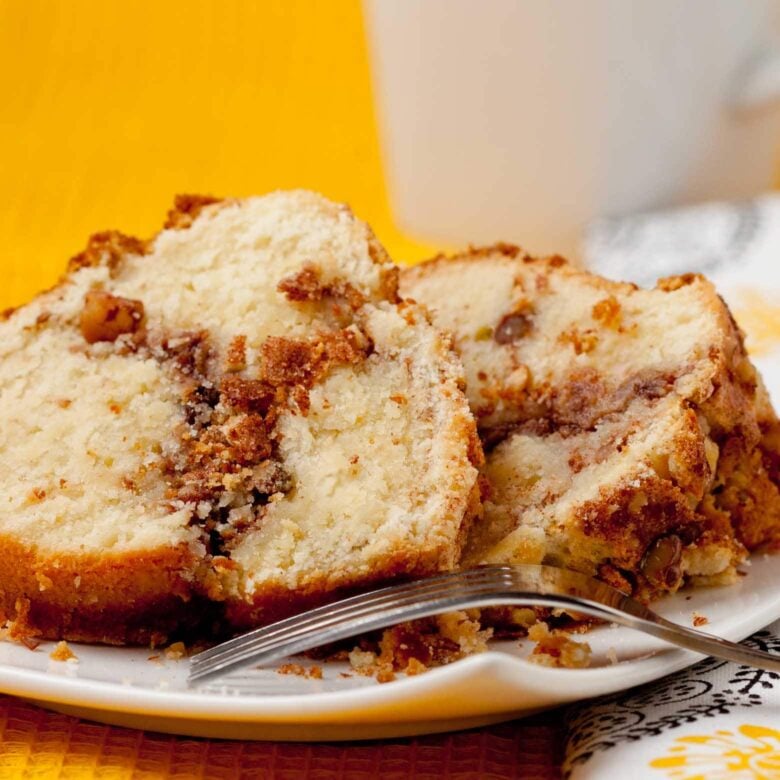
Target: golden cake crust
[135, 598]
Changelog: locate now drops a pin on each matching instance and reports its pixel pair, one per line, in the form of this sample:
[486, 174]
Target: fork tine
[262, 639]
[380, 619]
[285, 631]
[390, 612]
[309, 616]
[347, 601]
[364, 602]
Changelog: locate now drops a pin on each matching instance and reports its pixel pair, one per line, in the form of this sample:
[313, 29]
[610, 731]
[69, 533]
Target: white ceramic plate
[122, 686]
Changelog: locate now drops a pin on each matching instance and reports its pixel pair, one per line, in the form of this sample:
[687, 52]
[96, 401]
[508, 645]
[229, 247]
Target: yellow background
[109, 108]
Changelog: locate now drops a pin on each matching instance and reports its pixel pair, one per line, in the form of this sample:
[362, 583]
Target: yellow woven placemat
[35, 743]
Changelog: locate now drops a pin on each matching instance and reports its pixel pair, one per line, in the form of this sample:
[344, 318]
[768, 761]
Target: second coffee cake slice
[627, 433]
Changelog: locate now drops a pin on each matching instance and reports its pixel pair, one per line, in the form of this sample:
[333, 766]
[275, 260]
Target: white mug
[522, 120]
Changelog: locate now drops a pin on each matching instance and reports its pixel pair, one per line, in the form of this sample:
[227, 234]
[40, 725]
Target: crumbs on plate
[311, 672]
[554, 648]
[62, 652]
[176, 651]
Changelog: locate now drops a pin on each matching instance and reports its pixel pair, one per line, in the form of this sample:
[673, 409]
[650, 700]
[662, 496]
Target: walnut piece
[512, 327]
[106, 317]
[661, 564]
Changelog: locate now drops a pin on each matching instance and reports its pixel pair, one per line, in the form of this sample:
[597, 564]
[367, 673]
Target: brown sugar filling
[227, 463]
[308, 285]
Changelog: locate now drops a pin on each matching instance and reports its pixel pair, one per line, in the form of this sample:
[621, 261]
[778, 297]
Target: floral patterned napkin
[716, 720]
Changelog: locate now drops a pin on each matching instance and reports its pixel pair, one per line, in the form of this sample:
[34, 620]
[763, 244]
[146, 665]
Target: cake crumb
[311, 672]
[608, 311]
[44, 582]
[235, 360]
[465, 629]
[384, 673]
[362, 660]
[62, 652]
[186, 209]
[523, 616]
[700, 620]
[612, 656]
[414, 667]
[581, 341]
[176, 651]
[295, 669]
[556, 649]
[414, 647]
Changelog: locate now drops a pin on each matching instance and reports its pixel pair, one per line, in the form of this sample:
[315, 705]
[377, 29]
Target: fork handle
[632, 614]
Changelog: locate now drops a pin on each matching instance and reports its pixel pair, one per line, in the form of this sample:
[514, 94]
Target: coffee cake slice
[625, 428]
[227, 422]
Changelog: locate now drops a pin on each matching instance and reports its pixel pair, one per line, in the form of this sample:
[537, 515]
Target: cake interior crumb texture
[627, 434]
[223, 424]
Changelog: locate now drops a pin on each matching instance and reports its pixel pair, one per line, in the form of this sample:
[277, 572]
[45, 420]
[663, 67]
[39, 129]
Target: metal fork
[485, 586]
